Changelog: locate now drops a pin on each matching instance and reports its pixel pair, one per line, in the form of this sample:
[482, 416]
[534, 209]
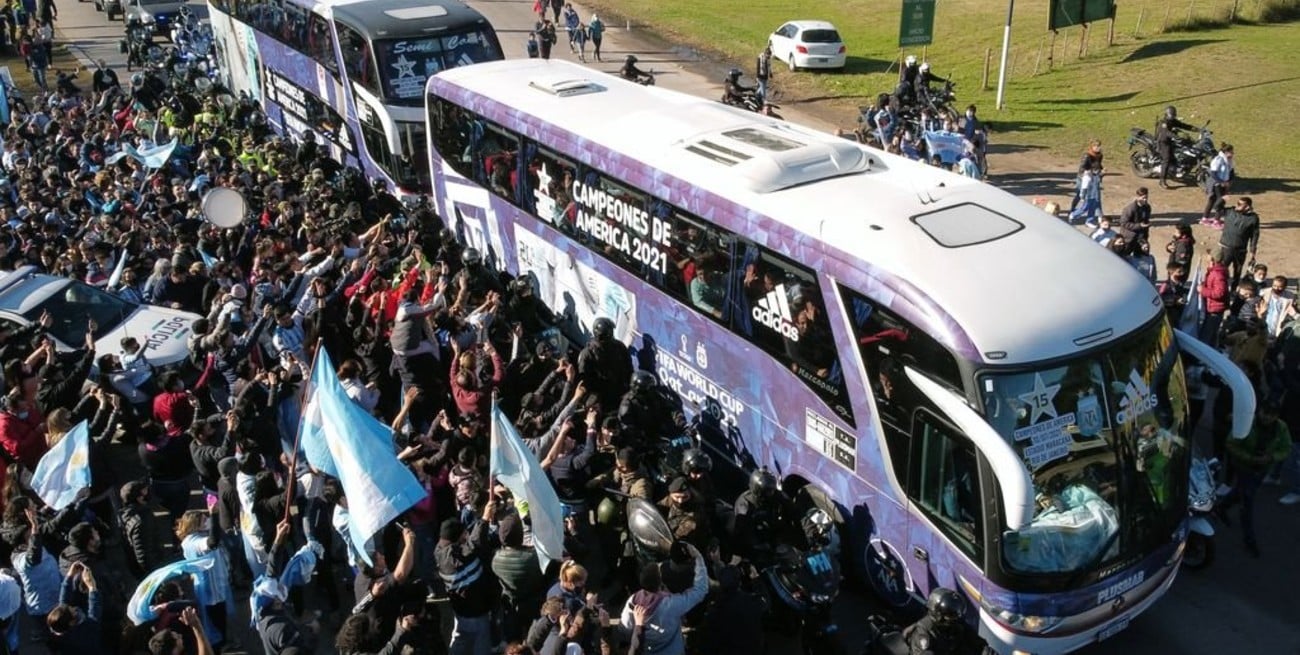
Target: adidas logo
[1137, 399]
[773, 310]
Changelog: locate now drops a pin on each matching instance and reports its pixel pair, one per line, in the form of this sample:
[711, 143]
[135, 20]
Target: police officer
[1167, 128]
[688, 518]
[942, 631]
[605, 364]
[642, 411]
[761, 516]
[473, 282]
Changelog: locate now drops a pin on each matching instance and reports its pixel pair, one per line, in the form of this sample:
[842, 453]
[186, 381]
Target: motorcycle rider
[923, 80]
[687, 516]
[474, 282]
[907, 81]
[942, 631]
[761, 516]
[629, 71]
[734, 91]
[697, 467]
[1167, 128]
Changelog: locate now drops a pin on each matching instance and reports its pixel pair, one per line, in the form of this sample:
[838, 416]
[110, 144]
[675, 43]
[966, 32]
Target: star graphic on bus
[405, 67]
[1041, 399]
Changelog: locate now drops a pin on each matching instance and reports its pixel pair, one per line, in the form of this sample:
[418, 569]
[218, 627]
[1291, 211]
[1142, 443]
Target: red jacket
[1214, 289]
[23, 439]
[477, 401]
[174, 411]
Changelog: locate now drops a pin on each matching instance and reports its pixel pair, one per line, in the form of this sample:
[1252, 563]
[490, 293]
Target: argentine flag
[65, 469]
[514, 466]
[341, 439]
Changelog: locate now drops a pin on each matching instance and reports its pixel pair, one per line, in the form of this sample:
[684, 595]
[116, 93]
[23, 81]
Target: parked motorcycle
[1192, 156]
[753, 101]
[1201, 486]
[646, 78]
[942, 631]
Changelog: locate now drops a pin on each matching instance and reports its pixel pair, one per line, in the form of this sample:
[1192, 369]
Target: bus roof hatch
[769, 158]
[565, 87]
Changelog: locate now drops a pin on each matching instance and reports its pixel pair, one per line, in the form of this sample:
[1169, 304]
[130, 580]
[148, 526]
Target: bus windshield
[1105, 437]
[405, 64]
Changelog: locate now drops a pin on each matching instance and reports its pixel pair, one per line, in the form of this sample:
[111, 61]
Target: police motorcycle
[804, 582]
[942, 631]
[1192, 156]
[1201, 496]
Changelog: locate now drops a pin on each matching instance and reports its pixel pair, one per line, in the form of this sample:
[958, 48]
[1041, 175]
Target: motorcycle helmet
[733, 75]
[602, 329]
[520, 286]
[911, 60]
[471, 257]
[925, 67]
[818, 525]
[946, 605]
[447, 235]
[696, 461]
[762, 484]
[642, 381]
[607, 512]
[1171, 112]
[629, 60]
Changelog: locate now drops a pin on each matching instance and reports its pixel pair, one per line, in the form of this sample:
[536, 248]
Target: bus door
[960, 465]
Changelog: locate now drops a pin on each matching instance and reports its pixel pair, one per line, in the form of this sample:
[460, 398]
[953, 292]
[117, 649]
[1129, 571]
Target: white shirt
[360, 394]
[1221, 168]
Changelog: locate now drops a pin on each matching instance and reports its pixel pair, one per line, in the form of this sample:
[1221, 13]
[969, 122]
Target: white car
[808, 44]
[25, 294]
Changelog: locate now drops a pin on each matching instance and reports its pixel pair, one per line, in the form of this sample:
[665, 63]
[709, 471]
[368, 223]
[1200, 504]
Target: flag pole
[297, 438]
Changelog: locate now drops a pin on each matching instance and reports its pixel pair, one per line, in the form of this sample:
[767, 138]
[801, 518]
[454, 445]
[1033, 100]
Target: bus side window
[945, 482]
[548, 187]
[887, 344]
[494, 160]
[784, 314]
[699, 256]
[358, 61]
[320, 42]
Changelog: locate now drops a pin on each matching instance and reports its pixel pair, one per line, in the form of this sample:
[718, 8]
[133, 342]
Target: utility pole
[1006, 48]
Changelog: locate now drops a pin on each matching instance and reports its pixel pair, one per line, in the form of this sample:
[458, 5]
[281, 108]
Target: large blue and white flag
[341, 439]
[151, 157]
[514, 466]
[140, 608]
[65, 469]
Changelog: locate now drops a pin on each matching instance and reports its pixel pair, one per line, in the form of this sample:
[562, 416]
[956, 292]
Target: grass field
[1246, 77]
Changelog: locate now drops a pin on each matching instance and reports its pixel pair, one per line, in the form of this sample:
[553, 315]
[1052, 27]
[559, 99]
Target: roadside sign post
[917, 24]
[1006, 46]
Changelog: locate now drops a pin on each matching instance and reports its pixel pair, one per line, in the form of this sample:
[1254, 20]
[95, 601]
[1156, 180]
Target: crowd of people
[1228, 300]
[427, 336]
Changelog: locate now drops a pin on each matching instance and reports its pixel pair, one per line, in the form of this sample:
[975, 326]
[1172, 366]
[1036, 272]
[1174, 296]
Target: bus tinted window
[699, 261]
[547, 188]
[357, 58]
[320, 43]
[786, 317]
[405, 64]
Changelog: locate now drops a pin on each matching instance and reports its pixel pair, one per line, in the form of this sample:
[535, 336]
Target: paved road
[1238, 605]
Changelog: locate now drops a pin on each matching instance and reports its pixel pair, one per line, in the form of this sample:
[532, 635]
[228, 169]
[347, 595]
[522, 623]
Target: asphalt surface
[1237, 605]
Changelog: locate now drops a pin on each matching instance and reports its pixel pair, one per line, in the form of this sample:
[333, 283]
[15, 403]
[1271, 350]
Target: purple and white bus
[352, 71]
[994, 403]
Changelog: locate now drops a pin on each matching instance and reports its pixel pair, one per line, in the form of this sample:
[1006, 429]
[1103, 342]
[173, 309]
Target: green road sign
[917, 25]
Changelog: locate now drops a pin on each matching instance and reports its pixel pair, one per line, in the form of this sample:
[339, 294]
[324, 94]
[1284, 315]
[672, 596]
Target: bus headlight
[1021, 623]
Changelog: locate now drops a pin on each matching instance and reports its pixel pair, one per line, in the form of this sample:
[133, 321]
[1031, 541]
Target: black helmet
[471, 257]
[946, 605]
[447, 235]
[629, 60]
[762, 484]
[1171, 112]
[521, 285]
[642, 381]
[734, 74]
[696, 460]
[602, 329]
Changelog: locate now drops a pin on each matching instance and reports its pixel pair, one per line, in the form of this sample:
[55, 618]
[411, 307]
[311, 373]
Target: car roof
[811, 25]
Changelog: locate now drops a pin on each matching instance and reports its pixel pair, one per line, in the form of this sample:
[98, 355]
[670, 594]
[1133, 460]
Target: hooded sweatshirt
[663, 628]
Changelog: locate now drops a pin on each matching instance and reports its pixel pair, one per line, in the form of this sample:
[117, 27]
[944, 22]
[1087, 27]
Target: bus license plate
[1113, 629]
